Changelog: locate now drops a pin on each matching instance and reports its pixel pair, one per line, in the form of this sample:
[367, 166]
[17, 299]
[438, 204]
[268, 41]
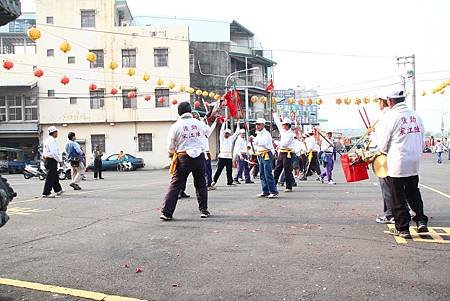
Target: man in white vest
[401, 138]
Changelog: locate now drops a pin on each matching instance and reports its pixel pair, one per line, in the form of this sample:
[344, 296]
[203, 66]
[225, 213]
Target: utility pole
[406, 60]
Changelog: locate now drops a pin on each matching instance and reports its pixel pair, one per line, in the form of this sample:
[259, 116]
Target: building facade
[19, 127]
[136, 118]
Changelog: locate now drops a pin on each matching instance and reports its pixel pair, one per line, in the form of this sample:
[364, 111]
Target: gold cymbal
[379, 166]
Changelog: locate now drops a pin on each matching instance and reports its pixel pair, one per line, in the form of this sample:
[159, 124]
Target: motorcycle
[40, 172]
[7, 194]
[31, 171]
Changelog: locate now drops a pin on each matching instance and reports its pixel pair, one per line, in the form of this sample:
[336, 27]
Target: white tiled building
[116, 122]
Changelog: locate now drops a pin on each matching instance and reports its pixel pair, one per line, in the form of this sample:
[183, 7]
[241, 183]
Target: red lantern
[301, 101]
[147, 97]
[38, 72]
[161, 99]
[64, 80]
[197, 104]
[7, 64]
[114, 91]
[93, 87]
[132, 94]
[174, 101]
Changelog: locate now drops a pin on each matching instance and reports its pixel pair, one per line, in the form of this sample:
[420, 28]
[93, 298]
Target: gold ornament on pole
[65, 47]
[113, 65]
[34, 33]
[146, 77]
[91, 57]
[131, 71]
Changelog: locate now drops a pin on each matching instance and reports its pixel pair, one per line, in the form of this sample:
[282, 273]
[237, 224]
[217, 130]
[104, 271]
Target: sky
[381, 29]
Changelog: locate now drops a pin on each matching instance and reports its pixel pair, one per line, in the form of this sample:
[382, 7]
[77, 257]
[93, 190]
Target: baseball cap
[397, 95]
[241, 131]
[52, 129]
[260, 121]
[227, 131]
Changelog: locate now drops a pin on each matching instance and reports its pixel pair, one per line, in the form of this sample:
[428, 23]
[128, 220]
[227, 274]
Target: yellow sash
[286, 150]
[174, 162]
[264, 154]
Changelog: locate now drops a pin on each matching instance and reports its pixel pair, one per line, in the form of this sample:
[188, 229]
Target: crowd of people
[297, 155]
[399, 135]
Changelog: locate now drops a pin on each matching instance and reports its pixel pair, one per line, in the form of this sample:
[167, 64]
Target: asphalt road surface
[319, 242]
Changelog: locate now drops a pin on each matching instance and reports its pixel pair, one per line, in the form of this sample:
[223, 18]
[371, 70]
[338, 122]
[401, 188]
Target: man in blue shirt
[75, 156]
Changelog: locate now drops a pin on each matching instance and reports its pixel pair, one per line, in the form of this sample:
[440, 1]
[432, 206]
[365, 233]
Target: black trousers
[314, 166]
[187, 165]
[97, 168]
[228, 163]
[406, 191]
[284, 163]
[52, 180]
[303, 162]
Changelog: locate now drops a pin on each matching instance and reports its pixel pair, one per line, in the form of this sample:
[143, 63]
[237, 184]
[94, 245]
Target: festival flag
[228, 101]
[269, 87]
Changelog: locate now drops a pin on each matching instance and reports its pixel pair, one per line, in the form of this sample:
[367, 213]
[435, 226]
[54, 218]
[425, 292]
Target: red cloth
[228, 101]
[269, 87]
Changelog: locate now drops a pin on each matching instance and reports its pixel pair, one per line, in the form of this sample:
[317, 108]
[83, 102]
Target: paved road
[317, 243]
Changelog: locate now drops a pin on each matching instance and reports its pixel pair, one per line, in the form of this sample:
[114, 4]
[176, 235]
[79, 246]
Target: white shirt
[263, 141]
[51, 149]
[300, 147]
[226, 144]
[311, 144]
[325, 146]
[401, 137]
[240, 146]
[187, 135]
[210, 130]
[439, 148]
[287, 137]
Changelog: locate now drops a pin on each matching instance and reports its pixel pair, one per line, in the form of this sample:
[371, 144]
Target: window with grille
[161, 57]
[50, 52]
[50, 20]
[99, 62]
[98, 140]
[71, 60]
[73, 100]
[145, 142]
[129, 103]
[97, 98]
[2, 108]
[14, 107]
[31, 108]
[192, 61]
[51, 93]
[128, 58]
[164, 93]
[88, 18]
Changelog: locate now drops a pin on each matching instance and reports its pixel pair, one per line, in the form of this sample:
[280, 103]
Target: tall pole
[404, 60]
[413, 82]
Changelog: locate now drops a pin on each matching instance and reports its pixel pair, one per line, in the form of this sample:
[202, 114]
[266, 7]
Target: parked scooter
[31, 171]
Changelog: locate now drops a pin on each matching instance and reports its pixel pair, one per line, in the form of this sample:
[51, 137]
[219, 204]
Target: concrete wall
[120, 136]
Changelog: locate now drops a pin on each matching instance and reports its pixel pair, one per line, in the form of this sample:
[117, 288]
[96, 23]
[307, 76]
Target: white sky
[364, 27]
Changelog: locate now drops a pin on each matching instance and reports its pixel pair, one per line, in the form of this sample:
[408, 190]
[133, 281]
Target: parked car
[111, 163]
[12, 160]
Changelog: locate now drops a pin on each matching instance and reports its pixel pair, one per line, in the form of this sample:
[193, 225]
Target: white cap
[397, 95]
[52, 129]
[241, 131]
[260, 121]
[227, 131]
[286, 121]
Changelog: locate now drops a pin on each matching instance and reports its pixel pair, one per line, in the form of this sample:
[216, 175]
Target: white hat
[286, 121]
[397, 95]
[52, 129]
[260, 121]
[227, 131]
[241, 131]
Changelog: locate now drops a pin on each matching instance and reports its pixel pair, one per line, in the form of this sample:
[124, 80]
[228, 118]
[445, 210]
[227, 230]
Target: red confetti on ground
[138, 270]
